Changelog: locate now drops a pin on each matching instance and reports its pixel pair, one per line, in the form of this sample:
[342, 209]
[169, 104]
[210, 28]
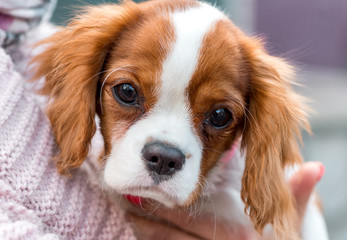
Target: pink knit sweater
[35, 201]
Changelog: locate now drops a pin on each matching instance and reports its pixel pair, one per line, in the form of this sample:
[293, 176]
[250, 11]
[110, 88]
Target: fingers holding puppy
[150, 229]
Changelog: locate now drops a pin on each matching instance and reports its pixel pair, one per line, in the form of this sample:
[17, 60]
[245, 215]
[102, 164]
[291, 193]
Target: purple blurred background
[314, 32]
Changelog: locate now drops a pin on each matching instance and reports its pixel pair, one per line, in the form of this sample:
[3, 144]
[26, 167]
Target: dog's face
[174, 83]
[170, 103]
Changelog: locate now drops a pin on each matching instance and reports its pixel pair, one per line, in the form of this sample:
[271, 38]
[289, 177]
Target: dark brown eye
[220, 118]
[125, 93]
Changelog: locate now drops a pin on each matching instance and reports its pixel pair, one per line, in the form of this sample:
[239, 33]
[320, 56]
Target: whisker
[246, 112]
[214, 219]
[209, 198]
[211, 149]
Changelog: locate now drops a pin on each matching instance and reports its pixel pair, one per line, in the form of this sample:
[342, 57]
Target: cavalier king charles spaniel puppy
[190, 110]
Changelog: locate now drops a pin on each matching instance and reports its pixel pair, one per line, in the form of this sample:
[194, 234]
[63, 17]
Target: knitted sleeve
[16, 221]
[35, 201]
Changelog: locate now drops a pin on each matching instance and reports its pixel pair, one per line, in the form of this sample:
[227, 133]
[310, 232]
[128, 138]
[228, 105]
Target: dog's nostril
[153, 159]
[172, 165]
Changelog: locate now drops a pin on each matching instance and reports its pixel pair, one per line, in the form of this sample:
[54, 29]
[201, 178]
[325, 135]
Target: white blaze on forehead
[172, 111]
[190, 26]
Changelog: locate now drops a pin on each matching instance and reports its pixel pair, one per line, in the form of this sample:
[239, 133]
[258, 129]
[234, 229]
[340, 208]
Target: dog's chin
[152, 194]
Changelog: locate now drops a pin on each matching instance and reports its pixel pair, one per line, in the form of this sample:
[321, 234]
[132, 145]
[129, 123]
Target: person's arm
[35, 201]
[16, 221]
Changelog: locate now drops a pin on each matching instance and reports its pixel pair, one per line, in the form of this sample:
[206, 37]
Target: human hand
[302, 184]
[173, 224]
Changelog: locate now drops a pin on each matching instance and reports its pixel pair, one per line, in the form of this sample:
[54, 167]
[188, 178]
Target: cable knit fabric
[17, 18]
[35, 201]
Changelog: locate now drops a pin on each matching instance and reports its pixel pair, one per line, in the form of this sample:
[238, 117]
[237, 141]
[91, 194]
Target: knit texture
[35, 201]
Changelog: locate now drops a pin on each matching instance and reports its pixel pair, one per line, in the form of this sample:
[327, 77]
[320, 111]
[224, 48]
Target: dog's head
[174, 83]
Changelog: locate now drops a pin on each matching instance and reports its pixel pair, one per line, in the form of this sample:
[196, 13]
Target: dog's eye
[125, 93]
[220, 118]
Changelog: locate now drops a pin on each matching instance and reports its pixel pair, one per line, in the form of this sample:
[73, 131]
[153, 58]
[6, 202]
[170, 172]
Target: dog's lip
[135, 189]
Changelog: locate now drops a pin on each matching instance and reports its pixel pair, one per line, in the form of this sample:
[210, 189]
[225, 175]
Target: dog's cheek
[194, 196]
[112, 130]
[212, 153]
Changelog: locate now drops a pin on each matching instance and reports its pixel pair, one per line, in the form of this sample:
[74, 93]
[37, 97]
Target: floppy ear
[72, 64]
[272, 129]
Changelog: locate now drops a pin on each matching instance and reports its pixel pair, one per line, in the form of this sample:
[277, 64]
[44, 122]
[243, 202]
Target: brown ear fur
[272, 129]
[71, 64]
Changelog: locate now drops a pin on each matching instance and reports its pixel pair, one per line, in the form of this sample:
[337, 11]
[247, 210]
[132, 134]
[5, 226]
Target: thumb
[303, 182]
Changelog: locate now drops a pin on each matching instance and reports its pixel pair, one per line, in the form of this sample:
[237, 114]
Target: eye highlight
[125, 93]
[220, 118]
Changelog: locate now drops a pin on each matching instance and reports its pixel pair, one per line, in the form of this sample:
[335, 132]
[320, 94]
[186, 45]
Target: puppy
[176, 85]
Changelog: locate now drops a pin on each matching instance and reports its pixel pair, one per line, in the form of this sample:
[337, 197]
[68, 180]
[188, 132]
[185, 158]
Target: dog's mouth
[136, 200]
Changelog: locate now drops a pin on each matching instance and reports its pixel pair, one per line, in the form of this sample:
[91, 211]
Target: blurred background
[312, 34]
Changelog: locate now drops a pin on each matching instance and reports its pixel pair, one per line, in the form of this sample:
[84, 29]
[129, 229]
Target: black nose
[163, 159]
